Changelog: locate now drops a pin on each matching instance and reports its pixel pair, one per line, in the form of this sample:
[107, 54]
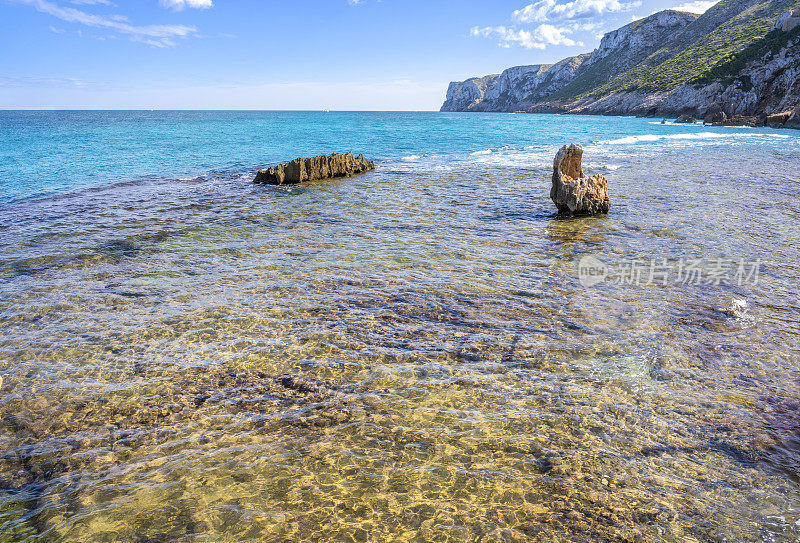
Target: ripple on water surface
[407, 354]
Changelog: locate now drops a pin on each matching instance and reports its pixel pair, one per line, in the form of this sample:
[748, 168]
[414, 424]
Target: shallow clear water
[404, 355]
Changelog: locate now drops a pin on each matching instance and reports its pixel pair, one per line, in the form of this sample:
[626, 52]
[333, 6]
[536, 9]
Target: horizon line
[227, 109]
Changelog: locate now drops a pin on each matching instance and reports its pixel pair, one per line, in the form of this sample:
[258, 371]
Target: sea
[426, 352]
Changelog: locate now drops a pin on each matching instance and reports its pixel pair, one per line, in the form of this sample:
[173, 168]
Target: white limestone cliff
[766, 85]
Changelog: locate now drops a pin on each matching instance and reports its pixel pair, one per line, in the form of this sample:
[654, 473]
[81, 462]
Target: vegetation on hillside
[603, 71]
[722, 39]
[728, 70]
[713, 39]
[698, 50]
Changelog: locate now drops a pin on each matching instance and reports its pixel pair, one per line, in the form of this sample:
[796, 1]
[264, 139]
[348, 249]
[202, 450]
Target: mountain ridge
[668, 63]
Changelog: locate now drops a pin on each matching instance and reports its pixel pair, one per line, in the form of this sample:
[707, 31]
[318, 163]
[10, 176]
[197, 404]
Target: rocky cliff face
[789, 20]
[494, 92]
[515, 89]
[741, 57]
[466, 95]
[765, 84]
[521, 87]
[639, 38]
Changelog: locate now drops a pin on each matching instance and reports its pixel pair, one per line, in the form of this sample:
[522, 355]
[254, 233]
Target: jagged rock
[485, 93]
[742, 120]
[788, 21]
[686, 119]
[717, 117]
[573, 192]
[777, 120]
[794, 120]
[314, 169]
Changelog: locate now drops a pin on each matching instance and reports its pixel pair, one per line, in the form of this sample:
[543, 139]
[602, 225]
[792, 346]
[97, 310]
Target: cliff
[741, 57]
[494, 92]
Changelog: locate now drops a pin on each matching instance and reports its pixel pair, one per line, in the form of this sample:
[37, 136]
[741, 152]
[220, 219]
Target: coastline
[715, 66]
[668, 114]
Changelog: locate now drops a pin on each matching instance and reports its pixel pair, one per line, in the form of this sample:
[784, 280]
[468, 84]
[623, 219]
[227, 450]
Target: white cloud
[698, 6]
[551, 10]
[555, 21]
[537, 38]
[91, 2]
[178, 5]
[155, 35]
[41, 82]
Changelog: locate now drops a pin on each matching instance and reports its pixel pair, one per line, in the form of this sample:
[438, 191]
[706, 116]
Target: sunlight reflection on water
[406, 354]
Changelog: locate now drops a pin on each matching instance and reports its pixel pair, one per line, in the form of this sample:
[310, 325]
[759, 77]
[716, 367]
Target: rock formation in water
[314, 169]
[686, 119]
[572, 191]
[718, 117]
[794, 118]
[741, 57]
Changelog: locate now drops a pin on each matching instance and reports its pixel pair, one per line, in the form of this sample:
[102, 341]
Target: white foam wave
[512, 160]
[737, 308]
[629, 140]
[485, 152]
[412, 157]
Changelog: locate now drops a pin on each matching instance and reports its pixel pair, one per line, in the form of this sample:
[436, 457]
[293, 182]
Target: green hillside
[713, 39]
[729, 69]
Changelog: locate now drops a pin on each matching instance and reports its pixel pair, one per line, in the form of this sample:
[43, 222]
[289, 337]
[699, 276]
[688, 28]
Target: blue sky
[303, 54]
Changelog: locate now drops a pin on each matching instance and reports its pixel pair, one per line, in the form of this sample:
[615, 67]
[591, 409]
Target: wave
[411, 157]
[484, 152]
[513, 160]
[630, 140]
[606, 167]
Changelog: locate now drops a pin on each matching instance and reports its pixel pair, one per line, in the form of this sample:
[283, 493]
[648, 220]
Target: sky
[273, 54]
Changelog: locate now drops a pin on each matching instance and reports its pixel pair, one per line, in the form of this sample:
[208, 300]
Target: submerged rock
[573, 192]
[314, 169]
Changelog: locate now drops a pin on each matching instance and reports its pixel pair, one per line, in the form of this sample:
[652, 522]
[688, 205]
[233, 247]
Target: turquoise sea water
[55, 152]
[407, 355]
